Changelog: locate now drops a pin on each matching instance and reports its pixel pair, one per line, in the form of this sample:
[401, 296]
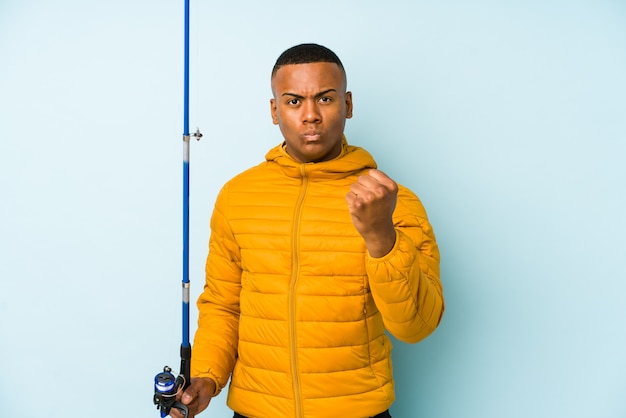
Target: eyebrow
[298, 96]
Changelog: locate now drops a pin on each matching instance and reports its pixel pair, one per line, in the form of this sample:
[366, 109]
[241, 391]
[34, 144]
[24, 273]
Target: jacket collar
[350, 161]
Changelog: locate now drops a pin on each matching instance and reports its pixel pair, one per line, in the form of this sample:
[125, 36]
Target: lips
[312, 136]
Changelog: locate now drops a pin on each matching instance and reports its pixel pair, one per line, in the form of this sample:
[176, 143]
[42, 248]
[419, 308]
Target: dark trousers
[381, 415]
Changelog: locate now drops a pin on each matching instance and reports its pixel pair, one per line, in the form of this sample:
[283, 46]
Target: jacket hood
[350, 161]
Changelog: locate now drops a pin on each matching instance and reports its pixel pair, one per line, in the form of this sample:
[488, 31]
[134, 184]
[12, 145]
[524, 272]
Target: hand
[371, 202]
[197, 397]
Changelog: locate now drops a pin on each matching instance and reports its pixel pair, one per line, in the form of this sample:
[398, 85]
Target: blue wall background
[507, 118]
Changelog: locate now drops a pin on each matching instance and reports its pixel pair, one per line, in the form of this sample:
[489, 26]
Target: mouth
[312, 136]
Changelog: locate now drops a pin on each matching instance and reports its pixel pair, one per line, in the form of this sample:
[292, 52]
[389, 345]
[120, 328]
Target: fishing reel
[166, 387]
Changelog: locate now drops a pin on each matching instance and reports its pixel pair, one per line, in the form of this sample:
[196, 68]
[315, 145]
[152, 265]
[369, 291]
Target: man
[312, 255]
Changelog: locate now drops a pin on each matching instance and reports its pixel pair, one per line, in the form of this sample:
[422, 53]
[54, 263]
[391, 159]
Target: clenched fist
[371, 202]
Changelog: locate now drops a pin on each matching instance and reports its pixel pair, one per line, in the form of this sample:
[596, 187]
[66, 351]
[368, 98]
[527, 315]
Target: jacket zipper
[292, 294]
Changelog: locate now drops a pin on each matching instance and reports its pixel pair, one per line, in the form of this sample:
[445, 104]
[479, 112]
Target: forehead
[309, 77]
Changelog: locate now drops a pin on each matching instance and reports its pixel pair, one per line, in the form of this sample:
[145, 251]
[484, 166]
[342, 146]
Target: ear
[348, 104]
[273, 111]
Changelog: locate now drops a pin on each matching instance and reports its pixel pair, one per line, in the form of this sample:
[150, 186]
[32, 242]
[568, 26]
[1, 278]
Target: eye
[293, 102]
[325, 99]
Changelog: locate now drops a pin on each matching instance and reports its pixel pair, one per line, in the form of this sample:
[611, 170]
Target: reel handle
[182, 408]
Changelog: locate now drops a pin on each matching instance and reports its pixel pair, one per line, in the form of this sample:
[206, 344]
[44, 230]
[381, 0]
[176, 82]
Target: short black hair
[306, 54]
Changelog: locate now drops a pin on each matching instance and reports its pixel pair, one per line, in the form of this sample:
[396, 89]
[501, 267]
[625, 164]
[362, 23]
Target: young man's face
[310, 106]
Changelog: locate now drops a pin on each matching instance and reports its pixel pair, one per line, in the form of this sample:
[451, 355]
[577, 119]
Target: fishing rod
[166, 386]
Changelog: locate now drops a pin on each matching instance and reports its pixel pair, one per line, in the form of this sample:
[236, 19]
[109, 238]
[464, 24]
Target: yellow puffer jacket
[293, 305]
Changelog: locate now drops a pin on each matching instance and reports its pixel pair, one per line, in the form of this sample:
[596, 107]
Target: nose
[310, 112]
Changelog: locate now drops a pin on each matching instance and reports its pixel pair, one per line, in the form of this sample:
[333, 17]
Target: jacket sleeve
[215, 343]
[405, 283]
